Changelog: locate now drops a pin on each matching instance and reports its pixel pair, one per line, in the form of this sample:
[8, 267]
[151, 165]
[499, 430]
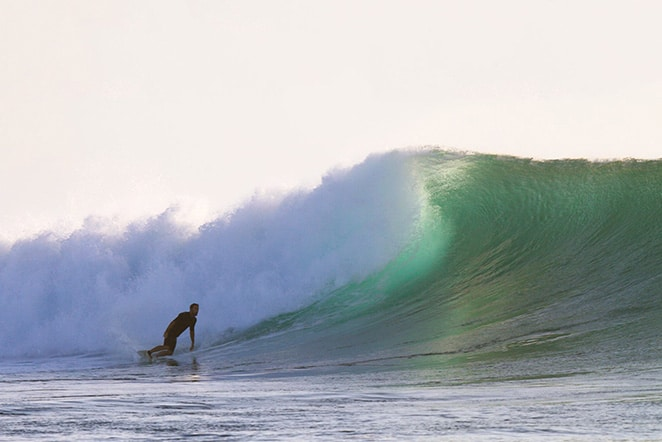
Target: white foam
[102, 289]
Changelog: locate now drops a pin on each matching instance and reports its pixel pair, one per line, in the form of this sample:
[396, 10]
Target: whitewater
[420, 294]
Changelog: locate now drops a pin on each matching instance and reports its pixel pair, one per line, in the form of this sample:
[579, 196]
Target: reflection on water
[131, 402]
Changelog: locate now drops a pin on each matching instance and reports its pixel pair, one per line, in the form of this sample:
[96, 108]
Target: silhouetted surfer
[176, 327]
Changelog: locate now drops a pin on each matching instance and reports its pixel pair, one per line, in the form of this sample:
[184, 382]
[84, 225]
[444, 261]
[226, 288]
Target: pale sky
[124, 108]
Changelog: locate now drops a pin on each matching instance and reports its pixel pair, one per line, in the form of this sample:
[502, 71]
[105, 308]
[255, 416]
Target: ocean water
[419, 295]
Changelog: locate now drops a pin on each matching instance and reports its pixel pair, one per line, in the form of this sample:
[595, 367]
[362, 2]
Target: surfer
[176, 327]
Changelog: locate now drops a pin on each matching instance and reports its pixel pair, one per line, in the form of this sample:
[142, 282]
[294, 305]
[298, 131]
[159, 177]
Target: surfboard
[144, 357]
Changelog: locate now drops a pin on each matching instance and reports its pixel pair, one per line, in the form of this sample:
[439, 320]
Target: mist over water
[94, 291]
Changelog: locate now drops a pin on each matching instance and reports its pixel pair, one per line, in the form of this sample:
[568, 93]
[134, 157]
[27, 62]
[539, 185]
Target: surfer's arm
[192, 333]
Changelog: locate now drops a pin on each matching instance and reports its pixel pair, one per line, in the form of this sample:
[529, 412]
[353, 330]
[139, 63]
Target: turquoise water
[418, 295]
[511, 260]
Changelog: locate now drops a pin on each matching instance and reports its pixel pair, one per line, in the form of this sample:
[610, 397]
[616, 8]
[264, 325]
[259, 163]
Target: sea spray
[92, 291]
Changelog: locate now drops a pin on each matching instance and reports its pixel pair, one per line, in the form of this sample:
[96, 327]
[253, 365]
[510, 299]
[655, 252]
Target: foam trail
[98, 292]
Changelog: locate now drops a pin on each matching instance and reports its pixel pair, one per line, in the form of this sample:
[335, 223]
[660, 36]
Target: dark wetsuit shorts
[171, 342]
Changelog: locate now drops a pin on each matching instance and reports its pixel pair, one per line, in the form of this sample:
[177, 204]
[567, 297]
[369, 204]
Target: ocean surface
[426, 295]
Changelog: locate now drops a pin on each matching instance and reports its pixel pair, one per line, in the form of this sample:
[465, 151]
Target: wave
[414, 258]
[97, 291]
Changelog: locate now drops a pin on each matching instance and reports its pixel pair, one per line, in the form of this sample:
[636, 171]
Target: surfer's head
[193, 309]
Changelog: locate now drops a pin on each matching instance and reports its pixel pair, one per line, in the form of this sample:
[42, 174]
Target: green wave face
[510, 260]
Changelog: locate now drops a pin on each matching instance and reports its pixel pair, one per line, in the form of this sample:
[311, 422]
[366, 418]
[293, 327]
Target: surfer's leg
[166, 352]
[159, 350]
[166, 349]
